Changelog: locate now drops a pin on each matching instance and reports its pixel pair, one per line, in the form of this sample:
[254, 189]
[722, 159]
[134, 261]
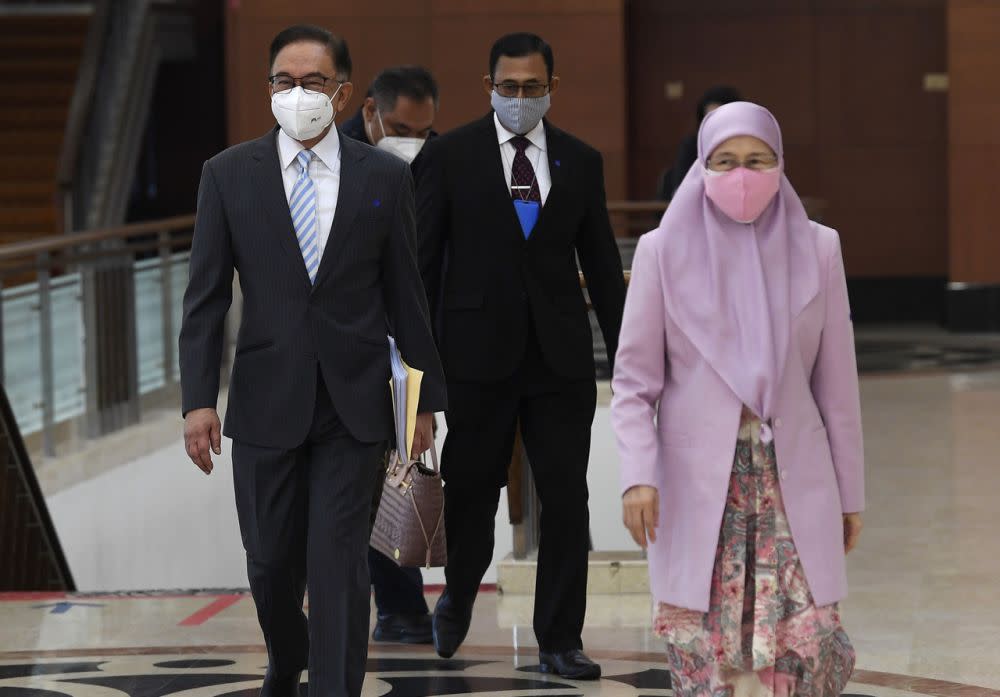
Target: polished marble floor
[924, 609]
[202, 645]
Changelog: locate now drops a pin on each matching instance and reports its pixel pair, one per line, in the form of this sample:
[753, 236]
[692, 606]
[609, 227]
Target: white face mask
[302, 115]
[405, 149]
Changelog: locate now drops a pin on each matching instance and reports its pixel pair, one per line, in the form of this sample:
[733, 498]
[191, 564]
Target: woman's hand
[852, 530]
[641, 513]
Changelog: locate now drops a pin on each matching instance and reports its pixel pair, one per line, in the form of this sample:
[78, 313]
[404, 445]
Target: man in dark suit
[397, 116]
[398, 112]
[321, 229]
[504, 207]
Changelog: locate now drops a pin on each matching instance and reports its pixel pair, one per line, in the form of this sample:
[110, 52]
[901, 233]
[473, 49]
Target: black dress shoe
[572, 665]
[287, 686]
[404, 629]
[451, 624]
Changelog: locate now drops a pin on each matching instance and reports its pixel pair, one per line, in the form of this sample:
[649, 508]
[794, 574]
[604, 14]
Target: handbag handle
[434, 457]
[399, 468]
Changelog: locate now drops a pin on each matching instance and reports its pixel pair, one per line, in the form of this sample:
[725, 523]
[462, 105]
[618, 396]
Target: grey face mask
[520, 114]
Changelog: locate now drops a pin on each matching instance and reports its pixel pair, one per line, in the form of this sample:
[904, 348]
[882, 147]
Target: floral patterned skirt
[763, 635]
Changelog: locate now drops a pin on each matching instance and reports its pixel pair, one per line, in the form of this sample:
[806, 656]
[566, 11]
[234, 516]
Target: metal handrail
[114, 246]
[58, 243]
[55, 243]
[636, 206]
[628, 277]
[54, 255]
[22, 8]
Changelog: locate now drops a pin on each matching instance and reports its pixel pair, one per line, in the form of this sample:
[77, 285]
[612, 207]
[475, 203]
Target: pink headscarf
[733, 288]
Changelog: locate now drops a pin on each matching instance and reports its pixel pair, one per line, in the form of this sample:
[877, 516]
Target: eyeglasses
[754, 162]
[310, 83]
[532, 90]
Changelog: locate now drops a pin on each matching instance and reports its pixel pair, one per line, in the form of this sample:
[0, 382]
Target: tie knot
[305, 157]
[520, 143]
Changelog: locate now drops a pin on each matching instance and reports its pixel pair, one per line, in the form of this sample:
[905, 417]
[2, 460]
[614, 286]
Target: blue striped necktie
[304, 215]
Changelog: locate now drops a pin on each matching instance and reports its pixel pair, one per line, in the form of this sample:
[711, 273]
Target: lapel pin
[558, 163]
[377, 202]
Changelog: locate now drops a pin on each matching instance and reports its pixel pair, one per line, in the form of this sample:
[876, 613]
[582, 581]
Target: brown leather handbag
[409, 526]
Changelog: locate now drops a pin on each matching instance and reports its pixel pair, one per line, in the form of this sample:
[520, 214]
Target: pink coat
[676, 422]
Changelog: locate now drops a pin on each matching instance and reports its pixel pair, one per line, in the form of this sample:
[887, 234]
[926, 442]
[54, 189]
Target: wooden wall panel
[452, 38]
[702, 49]
[883, 137]
[845, 80]
[974, 150]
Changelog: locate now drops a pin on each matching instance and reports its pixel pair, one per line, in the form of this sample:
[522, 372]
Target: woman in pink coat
[737, 415]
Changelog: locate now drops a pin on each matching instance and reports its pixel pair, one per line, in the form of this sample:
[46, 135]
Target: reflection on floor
[923, 349]
[238, 674]
[923, 610]
[202, 644]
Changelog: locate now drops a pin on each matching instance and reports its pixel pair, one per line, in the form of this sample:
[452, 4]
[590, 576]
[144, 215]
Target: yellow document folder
[405, 388]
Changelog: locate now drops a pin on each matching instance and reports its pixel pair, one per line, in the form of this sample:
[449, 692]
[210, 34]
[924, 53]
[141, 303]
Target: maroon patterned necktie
[522, 173]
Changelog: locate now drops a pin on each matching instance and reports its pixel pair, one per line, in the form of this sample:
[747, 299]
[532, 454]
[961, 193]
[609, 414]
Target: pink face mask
[742, 193]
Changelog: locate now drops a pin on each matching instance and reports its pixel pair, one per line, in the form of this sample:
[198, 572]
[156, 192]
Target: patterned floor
[201, 672]
[155, 644]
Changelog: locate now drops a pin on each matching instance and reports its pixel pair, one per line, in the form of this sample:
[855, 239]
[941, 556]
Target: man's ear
[346, 90]
[488, 84]
[369, 107]
[553, 84]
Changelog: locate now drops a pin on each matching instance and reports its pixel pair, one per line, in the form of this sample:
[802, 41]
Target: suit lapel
[555, 154]
[353, 180]
[267, 180]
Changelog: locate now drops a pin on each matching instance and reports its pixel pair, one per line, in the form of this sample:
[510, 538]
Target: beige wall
[452, 38]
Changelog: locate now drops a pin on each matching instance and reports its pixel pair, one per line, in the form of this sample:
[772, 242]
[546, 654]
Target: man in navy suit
[321, 229]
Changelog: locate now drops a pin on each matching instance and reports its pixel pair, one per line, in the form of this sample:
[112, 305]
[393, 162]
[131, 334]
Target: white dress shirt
[324, 170]
[535, 153]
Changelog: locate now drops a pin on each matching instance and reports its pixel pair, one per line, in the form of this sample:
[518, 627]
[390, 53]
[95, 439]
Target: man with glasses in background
[504, 207]
[321, 229]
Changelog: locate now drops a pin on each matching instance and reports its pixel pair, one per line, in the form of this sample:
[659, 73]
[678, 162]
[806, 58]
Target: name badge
[527, 215]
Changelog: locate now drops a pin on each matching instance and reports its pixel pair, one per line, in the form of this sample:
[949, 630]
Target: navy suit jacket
[292, 331]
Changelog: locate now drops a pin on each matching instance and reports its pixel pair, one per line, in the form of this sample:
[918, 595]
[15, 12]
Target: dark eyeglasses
[532, 90]
[283, 82]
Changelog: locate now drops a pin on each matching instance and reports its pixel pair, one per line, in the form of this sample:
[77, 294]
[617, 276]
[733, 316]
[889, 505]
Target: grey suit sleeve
[206, 300]
[406, 300]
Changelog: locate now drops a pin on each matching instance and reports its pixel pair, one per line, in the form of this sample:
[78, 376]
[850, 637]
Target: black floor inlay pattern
[26, 669]
[162, 685]
[28, 692]
[388, 675]
[192, 663]
[410, 665]
[429, 685]
[652, 679]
